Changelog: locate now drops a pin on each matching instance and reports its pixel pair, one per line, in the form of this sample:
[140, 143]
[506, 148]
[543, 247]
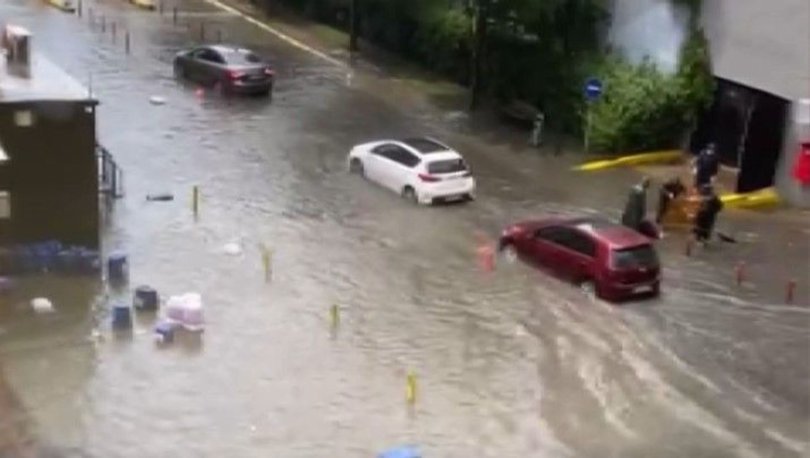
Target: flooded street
[510, 363]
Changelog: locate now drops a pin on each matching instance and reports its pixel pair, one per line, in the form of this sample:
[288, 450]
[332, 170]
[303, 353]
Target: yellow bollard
[195, 202]
[410, 389]
[334, 315]
[267, 262]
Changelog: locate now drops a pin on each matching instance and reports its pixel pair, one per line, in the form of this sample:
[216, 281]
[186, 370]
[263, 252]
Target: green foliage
[644, 109]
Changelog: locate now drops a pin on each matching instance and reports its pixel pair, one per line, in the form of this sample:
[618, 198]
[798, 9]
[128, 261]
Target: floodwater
[508, 363]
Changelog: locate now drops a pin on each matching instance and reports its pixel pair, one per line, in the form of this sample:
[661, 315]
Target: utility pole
[353, 32]
[480, 21]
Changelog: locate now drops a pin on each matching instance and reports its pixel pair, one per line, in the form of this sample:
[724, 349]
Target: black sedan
[229, 69]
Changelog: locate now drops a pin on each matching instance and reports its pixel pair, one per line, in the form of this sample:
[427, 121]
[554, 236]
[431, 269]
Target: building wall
[52, 173]
[766, 45]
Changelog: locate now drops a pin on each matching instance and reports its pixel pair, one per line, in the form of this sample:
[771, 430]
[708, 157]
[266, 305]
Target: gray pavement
[509, 363]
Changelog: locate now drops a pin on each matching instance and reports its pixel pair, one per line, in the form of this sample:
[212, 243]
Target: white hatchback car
[422, 170]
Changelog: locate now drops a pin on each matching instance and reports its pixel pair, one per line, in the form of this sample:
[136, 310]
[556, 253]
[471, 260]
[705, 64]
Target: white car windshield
[446, 166]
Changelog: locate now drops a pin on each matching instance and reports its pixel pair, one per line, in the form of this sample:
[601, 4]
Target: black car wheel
[410, 195]
[356, 167]
[508, 252]
[179, 71]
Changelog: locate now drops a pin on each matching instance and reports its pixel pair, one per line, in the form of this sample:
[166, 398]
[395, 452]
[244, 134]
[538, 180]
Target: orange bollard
[486, 258]
[791, 291]
[739, 273]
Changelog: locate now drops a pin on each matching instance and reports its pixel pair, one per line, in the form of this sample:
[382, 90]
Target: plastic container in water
[187, 311]
[146, 298]
[164, 332]
[121, 316]
[401, 452]
[117, 266]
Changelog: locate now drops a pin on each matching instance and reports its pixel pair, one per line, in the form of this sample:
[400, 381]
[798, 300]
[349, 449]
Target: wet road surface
[509, 364]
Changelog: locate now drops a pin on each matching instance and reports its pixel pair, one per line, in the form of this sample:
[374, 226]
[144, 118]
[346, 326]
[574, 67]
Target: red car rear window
[635, 257]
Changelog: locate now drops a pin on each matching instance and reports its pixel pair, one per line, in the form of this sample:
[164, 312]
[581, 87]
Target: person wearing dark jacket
[670, 190]
[710, 207]
[635, 210]
[706, 166]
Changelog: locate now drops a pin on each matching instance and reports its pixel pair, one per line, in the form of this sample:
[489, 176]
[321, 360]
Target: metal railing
[111, 177]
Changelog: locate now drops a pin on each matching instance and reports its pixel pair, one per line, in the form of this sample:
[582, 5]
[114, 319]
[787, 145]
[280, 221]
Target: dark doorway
[763, 143]
[747, 126]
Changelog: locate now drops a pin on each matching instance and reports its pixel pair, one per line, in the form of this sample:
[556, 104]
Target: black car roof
[425, 145]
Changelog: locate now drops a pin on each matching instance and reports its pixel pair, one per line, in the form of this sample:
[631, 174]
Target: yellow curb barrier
[68, 6]
[654, 157]
[764, 198]
[145, 4]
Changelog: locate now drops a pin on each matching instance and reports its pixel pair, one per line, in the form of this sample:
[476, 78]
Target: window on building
[24, 118]
[5, 205]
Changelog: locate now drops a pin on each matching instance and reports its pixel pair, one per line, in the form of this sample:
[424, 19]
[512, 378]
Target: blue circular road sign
[593, 89]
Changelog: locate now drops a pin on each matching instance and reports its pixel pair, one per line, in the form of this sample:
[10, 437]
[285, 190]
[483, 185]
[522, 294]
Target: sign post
[593, 91]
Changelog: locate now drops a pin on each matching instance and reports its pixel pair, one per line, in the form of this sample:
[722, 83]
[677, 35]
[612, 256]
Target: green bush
[644, 109]
[443, 40]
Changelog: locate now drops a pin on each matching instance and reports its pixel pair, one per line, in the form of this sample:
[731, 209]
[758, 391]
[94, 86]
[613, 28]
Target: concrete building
[761, 57]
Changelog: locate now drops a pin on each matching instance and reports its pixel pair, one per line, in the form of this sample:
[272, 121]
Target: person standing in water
[706, 166]
[635, 210]
[710, 207]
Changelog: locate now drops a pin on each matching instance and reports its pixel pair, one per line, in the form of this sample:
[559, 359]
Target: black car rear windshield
[446, 166]
[633, 258]
[241, 57]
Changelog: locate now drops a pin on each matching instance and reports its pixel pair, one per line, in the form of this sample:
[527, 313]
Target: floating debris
[165, 197]
[42, 305]
[232, 248]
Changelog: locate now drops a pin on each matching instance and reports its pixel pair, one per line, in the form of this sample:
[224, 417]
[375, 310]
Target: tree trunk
[353, 29]
[479, 47]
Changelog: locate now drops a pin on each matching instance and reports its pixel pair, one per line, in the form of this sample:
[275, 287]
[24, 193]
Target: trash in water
[232, 248]
[187, 311]
[159, 197]
[42, 305]
[157, 100]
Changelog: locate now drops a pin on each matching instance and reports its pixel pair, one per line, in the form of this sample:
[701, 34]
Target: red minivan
[614, 261]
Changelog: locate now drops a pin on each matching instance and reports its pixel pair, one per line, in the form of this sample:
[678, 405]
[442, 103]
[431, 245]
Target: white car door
[374, 161]
[403, 168]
